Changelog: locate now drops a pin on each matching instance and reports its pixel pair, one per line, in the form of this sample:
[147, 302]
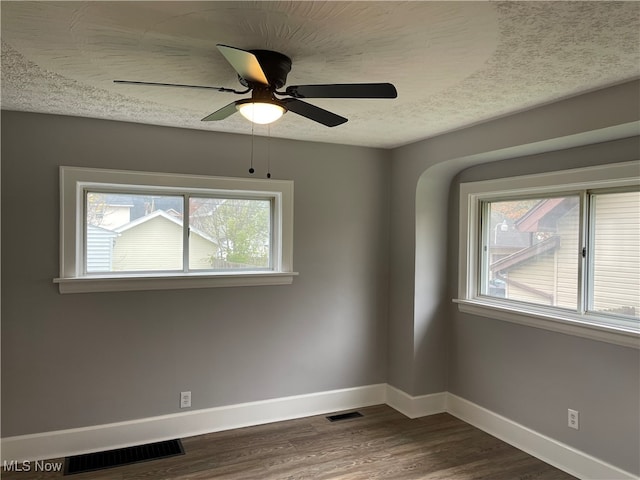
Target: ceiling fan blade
[157, 84]
[245, 63]
[312, 112]
[343, 90]
[222, 113]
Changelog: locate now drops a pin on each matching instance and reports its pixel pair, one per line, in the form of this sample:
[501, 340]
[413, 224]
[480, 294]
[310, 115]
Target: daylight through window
[134, 230]
[562, 247]
[530, 250]
[144, 233]
[614, 283]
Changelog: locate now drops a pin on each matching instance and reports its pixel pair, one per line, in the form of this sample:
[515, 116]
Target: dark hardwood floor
[383, 444]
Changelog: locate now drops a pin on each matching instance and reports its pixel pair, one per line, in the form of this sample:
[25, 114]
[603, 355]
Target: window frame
[74, 181]
[582, 180]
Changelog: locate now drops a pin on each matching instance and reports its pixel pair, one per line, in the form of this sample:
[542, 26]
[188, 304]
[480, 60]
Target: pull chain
[269, 151]
[251, 170]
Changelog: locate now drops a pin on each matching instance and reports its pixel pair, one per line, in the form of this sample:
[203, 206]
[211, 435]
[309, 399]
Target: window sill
[171, 282]
[557, 322]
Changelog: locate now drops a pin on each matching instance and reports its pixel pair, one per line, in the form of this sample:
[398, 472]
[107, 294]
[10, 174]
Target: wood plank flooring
[383, 444]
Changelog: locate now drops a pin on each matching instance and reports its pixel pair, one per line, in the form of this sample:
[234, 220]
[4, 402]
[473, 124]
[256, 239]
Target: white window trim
[471, 194]
[74, 180]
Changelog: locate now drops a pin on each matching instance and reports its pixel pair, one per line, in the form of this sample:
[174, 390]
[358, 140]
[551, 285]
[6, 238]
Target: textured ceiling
[453, 63]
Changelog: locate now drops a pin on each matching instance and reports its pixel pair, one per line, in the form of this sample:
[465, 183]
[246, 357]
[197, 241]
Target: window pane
[133, 233]
[530, 251]
[229, 234]
[616, 253]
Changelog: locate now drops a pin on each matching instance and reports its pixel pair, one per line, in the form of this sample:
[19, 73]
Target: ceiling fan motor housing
[275, 66]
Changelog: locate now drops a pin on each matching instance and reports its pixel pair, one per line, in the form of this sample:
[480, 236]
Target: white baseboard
[547, 449]
[62, 443]
[414, 407]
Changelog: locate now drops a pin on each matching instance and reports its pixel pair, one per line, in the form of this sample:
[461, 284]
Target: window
[529, 250]
[240, 228]
[125, 230]
[559, 251]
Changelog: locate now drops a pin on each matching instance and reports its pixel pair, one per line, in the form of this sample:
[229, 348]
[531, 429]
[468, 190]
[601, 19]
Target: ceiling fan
[263, 72]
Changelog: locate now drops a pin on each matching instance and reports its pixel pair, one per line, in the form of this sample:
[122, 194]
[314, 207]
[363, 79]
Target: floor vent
[122, 456]
[343, 416]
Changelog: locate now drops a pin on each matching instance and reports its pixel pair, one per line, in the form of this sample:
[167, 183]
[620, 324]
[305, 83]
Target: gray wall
[421, 174]
[375, 243]
[528, 375]
[533, 376]
[87, 359]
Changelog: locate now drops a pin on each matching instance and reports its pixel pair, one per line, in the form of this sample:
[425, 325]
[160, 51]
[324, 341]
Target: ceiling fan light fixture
[261, 112]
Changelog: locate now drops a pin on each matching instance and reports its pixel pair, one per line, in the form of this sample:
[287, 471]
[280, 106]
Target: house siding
[552, 277]
[99, 249]
[201, 251]
[152, 245]
[616, 261]
[156, 245]
[536, 276]
[568, 260]
[617, 252]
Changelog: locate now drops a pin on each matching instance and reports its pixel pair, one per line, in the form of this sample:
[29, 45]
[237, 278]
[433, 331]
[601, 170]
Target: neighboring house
[504, 240]
[115, 215]
[107, 216]
[546, 271]
[617, 275]
[99, 249]
[149, 243]
[154, 242]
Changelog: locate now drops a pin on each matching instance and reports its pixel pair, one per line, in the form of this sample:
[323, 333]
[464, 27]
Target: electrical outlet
[185, 399]
[573, 419]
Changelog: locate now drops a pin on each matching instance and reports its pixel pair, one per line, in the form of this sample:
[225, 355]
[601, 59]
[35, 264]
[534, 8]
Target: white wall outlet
[573, 419]
[185, 399]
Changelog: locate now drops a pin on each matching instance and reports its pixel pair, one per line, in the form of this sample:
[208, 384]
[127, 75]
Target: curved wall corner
[421, 175]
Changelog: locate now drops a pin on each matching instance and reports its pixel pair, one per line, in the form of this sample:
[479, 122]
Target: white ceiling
[453, 63]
